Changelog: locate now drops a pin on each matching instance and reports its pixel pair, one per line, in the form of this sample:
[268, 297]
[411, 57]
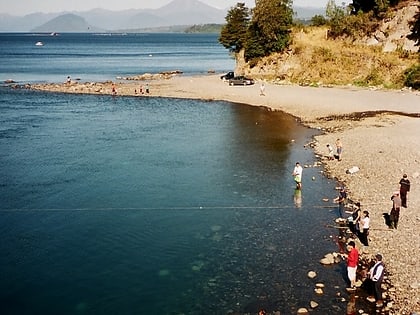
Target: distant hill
[204, 28]
[175, 13]
[307, 13]
[66, 23]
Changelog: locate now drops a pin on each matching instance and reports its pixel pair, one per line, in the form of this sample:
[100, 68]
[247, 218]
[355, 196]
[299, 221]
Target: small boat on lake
[39, 44]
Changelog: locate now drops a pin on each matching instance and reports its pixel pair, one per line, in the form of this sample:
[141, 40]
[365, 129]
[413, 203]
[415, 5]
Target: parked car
[241, 80]
[227, 76]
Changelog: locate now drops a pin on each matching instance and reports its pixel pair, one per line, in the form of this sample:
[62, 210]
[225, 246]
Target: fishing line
[156, 208]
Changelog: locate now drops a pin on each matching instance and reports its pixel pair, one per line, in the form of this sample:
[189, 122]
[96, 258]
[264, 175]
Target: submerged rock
[328, 259]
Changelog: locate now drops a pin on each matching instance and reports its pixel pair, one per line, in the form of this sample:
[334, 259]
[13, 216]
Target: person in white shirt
[364, 230]
[297, 174]
[375, 277]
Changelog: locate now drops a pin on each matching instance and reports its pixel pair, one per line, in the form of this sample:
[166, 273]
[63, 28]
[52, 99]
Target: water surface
[149, 205]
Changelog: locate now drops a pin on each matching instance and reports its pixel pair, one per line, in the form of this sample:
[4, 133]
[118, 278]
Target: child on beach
[330, 152]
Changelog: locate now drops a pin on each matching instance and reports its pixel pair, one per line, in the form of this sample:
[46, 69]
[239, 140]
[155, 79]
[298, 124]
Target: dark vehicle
[227, 76]
[241, 80]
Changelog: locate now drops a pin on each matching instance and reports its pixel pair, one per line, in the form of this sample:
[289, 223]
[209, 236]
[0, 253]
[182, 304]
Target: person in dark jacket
[374, 281]
[404, 189]
[395, 211]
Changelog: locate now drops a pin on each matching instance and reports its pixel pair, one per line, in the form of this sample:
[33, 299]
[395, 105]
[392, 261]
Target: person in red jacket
[352, 261]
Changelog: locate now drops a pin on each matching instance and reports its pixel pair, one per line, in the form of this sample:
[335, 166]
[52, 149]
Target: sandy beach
[380, 134]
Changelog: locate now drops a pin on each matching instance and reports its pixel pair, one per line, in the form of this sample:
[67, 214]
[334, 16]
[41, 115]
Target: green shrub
[319, 20]
[412, 77]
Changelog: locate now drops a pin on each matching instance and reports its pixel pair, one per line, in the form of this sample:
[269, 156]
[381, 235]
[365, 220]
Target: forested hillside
[362, 44]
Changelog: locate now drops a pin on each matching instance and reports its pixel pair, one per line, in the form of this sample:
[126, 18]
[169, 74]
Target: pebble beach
[379, 130]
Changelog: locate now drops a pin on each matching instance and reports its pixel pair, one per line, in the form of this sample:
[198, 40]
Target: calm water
[95, 57]
[132, 205]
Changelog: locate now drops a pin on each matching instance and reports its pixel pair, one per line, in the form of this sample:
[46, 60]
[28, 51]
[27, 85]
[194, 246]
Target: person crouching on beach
[330, 155]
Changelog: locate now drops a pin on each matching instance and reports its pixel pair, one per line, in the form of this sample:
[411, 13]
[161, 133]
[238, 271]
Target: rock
[312, 274]
[313, 304]
[319, 291]
[302, 311]
[352, 170]
[415, 285]
[319, 285]
[327, 260]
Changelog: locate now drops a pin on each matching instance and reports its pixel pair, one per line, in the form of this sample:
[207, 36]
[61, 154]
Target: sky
[23, 7]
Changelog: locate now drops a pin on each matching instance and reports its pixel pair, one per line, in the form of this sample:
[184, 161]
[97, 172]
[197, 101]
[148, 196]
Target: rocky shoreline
[379, 130]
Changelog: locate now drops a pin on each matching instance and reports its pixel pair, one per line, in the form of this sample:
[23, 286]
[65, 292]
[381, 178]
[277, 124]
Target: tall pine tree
[233, 35]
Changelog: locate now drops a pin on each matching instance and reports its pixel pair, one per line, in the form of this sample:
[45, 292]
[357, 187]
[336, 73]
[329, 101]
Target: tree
[415, 29]
[336, 19]
[271, 24]
[377, 6]
[362, 5]
[233, 35]
[318, 20]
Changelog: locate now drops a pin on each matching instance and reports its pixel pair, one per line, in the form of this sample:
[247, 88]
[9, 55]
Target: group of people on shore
[373, 282]
[358, 224]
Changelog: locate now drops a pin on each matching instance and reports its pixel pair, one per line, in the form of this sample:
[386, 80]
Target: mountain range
[176, 13]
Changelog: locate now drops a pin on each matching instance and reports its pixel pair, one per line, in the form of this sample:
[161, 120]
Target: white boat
[39, 44]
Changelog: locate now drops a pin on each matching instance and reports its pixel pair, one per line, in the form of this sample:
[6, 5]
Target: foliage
[336, 19]
[415, 29]
[255, 45]
[359, 18]
[233, 35]
[376, 6]
[268, 30]
[412, 77]
[204, 28]
[315, 60]
[352, 26]
[318, 20]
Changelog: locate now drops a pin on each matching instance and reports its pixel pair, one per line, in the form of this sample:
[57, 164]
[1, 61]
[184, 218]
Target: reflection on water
[297, 197]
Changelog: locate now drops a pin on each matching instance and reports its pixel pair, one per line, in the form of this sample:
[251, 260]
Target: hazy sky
[23, 7]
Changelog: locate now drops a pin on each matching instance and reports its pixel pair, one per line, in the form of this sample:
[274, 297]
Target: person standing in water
[297, 175]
